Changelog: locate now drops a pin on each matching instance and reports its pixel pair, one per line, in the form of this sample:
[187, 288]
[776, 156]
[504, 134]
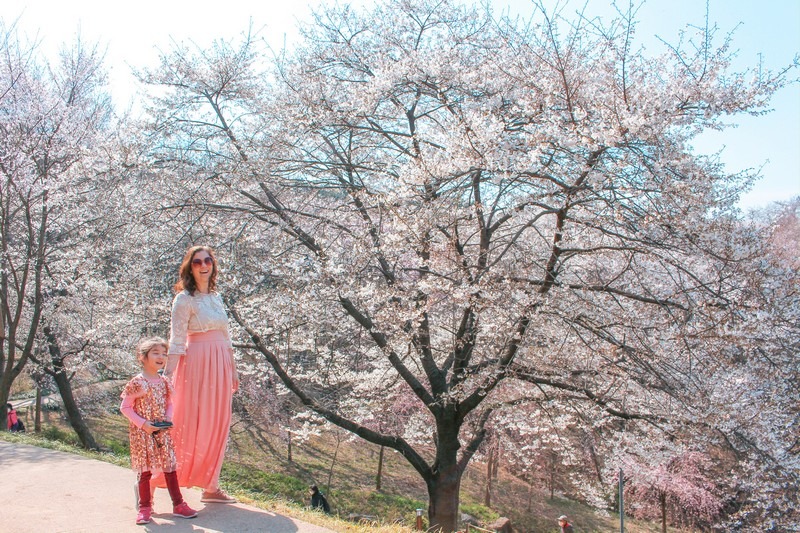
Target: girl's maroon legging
[145, 498]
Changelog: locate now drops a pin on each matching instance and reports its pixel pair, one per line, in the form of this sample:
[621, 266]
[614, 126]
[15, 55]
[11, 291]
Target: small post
[419, 519]
[621, 503]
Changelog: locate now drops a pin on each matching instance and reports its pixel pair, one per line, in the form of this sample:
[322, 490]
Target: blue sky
[767, 30]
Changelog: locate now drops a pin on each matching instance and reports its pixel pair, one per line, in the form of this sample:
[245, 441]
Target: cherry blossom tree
[678, 488]
[759, 390]
[474, 212]
[52, 116]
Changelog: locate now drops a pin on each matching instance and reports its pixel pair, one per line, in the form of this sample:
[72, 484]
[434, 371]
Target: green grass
[45, 440]
[54, 433]
[260, 484]
[485, 514]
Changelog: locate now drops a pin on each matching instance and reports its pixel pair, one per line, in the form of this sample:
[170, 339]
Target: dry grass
[257, 470]
[353, 485]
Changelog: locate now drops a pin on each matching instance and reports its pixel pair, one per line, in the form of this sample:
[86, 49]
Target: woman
[203, 373]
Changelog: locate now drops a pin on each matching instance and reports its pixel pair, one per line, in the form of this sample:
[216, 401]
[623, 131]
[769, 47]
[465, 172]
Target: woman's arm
[178, 331]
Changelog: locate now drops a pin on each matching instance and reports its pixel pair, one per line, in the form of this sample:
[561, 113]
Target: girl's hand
[235, 384]
[149, 428]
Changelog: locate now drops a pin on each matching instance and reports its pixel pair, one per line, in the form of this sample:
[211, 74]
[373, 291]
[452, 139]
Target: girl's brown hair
[186, 279]
[145, 345]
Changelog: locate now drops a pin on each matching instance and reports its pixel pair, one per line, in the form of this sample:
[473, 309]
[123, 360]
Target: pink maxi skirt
[202, 403]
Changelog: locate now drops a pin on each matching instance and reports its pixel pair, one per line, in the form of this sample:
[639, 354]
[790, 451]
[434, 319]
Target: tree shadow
[225, 518]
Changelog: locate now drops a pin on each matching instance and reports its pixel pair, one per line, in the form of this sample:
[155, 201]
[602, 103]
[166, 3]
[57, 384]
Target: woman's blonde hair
[145, 345]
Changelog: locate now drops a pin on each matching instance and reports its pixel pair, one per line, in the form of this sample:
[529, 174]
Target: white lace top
[195, 314]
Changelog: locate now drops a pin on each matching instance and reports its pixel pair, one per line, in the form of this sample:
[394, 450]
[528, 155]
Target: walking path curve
[51, 491]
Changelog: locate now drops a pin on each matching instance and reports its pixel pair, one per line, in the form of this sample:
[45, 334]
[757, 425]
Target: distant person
[147, 404]
[318, 500]
[203, 372]
[566, 527]
[14, 423]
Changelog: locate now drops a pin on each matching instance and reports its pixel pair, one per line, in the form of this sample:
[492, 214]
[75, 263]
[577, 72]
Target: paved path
[47, 491]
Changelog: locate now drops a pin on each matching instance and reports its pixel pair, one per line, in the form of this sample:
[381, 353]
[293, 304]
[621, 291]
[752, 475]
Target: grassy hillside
[257, 470]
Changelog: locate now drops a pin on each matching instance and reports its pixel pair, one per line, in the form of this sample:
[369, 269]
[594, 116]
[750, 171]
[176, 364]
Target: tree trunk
[73, 412]
[333, 464]
[496, 465]
[37, 421]
[289, 447]
[7, 377]
[445, 482]
[589, 440]
[663, 499]
[59, 373]
[530, 496]
[490, 464]
[380, 471]
[443, 493]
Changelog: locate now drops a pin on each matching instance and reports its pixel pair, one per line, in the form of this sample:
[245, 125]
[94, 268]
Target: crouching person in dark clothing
[318, 500]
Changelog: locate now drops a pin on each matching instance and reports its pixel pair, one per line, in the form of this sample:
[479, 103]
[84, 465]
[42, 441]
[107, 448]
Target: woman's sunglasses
[199, 262]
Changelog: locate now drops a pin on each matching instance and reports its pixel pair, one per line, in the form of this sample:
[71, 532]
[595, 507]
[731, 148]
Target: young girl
[146, 402]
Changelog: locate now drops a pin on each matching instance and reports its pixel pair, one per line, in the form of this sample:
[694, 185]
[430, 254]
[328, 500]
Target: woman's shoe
[217, 496]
